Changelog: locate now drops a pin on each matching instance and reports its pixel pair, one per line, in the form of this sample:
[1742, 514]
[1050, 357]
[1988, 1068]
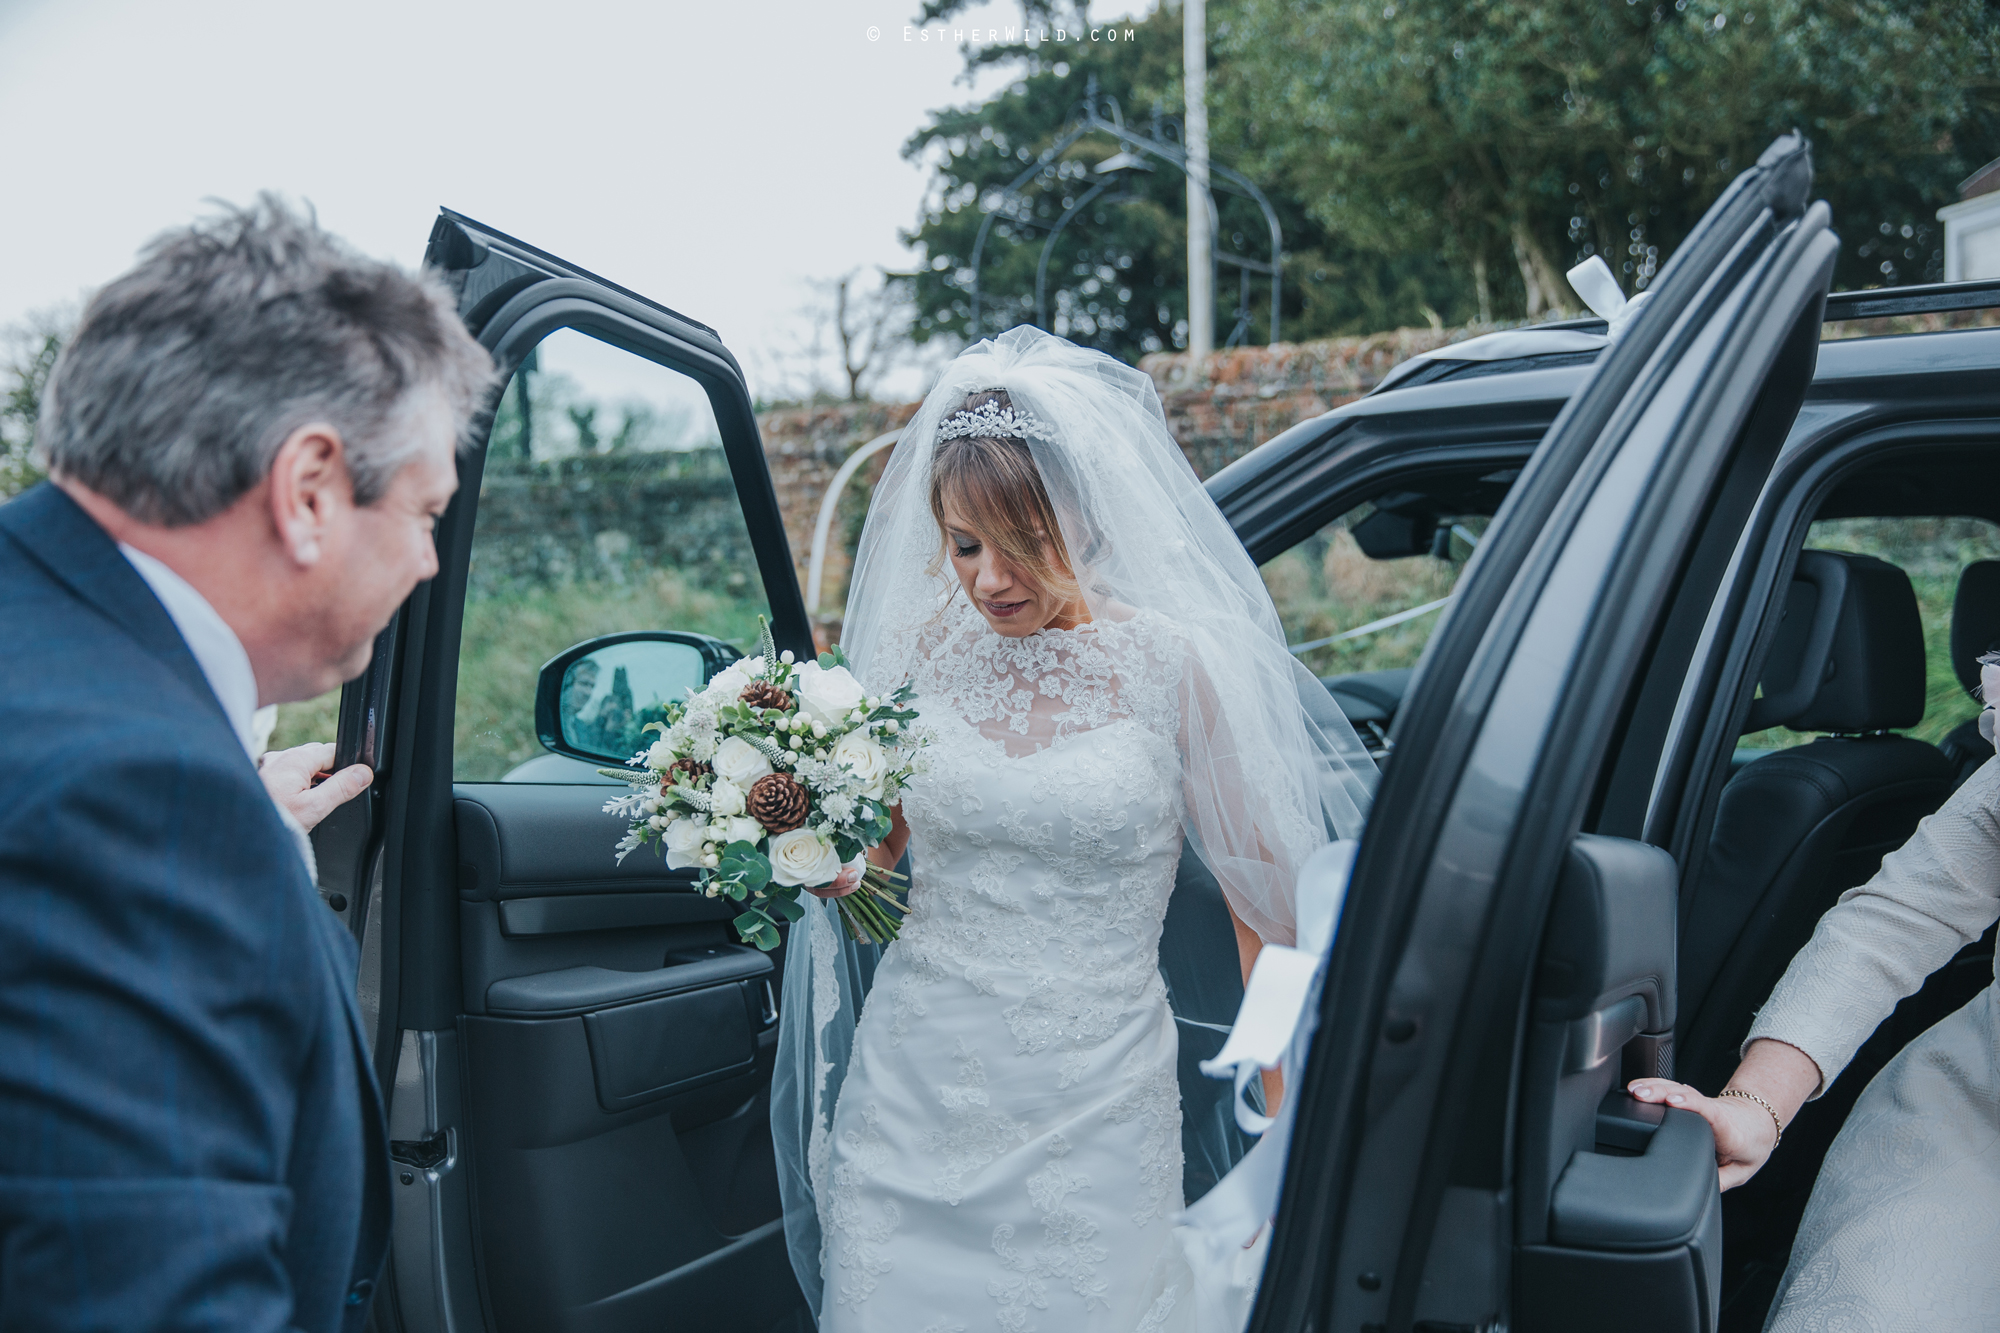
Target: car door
[578, 1050]
[1506, 952]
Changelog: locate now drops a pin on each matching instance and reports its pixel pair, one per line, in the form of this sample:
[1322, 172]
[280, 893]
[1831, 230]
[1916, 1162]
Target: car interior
[1864, 722]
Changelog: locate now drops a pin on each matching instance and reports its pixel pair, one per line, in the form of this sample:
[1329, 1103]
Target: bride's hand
[844, 883]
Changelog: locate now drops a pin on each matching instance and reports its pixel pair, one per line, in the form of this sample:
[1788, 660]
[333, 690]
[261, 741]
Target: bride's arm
[890, 850]
[1248, 945]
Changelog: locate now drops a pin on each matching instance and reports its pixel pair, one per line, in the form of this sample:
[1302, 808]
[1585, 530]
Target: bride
[996, 1142]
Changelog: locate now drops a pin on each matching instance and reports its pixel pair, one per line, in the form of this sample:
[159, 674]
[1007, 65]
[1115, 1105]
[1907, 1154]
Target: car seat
[1975, 629]
[1797, 828]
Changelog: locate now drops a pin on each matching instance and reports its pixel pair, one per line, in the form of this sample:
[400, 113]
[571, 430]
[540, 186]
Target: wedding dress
[990, 1137]
[1006, 1148]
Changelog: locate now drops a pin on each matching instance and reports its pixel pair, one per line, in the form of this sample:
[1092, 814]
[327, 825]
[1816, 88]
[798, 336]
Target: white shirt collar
[215, 646]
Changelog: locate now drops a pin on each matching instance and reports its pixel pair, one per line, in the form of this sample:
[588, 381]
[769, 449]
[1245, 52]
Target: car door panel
[1617, 1197]
[581, 1051]
[1418, 1089]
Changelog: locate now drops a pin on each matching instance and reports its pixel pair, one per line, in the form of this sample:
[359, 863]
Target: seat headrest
[1849, 655]
[1975, 619]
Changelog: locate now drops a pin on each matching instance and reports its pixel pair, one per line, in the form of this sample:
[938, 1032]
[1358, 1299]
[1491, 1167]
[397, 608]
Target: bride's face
[1013, 604]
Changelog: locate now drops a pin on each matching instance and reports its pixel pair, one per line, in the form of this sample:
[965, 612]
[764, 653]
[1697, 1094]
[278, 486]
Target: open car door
[578, 1051]
[1506, 958]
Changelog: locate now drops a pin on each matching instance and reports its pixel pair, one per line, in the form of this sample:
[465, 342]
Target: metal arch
[1049, 245]
[1092, 121]
[1041, 163]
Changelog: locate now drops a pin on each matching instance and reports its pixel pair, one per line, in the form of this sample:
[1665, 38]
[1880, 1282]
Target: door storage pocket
[655, 1048]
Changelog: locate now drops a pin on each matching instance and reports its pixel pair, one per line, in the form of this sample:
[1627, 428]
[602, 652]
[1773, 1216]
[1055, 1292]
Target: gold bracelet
[1747, 1095]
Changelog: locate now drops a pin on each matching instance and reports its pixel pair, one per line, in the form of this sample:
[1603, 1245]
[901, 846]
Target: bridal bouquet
[772, 778]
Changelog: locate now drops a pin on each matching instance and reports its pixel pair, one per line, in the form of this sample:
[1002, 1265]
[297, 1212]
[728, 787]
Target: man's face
[376, 554]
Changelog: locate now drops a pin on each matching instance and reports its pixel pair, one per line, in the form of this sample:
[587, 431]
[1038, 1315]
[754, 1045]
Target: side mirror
[592, 700]
[1390, 534]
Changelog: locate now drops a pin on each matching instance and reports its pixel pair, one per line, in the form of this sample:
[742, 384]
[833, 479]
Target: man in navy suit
[249, 439]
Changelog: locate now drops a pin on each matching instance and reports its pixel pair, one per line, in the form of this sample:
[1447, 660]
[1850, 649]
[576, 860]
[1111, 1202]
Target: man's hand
[288, 776]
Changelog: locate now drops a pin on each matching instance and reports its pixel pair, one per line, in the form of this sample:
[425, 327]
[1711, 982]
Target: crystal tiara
[991, 419]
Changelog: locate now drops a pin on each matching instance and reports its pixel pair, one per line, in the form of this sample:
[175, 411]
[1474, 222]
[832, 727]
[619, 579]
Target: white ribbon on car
[1594, 282]
[1225, 1234]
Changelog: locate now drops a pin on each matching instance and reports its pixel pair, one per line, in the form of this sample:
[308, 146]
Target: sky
[717, 158]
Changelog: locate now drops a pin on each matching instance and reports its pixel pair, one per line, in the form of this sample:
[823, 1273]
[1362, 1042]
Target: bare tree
[871, 326]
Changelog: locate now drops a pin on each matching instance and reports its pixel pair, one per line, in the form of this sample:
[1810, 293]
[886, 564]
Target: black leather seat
[1797, 828]
[1975, 629]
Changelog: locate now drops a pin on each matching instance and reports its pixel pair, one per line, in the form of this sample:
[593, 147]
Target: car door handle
[1662, 1198]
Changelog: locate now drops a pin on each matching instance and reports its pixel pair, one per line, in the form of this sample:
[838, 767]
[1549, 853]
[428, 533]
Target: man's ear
[309, 488]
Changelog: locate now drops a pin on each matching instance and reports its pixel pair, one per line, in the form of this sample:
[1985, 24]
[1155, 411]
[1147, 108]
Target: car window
[1931, 551]
[606, 505]
[1345, 611]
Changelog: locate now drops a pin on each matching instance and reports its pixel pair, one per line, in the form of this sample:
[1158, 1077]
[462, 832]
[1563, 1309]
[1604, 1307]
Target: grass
[1321, 587]
[508, 637]
[1931, 551]
[1325, 586]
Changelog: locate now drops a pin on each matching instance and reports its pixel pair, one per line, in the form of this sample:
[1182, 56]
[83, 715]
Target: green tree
[28, 353]
[1117, 274]
[1508, 134]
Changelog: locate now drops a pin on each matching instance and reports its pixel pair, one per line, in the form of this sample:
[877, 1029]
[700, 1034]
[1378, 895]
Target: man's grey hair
[188, 372]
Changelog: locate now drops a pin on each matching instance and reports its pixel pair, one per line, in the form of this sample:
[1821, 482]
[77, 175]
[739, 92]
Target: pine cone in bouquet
[763, 694]
[779, 802]
[686, 770]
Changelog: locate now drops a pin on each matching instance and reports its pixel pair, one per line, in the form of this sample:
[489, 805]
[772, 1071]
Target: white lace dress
[1006, 1147]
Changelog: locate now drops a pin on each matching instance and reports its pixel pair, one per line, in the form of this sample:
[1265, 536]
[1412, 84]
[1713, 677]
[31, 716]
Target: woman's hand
[846, 882]
[1744, 1131]
[1780, 1075]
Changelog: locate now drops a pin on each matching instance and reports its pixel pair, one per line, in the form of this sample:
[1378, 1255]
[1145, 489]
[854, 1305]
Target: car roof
[1465, 397]
[1579, 341]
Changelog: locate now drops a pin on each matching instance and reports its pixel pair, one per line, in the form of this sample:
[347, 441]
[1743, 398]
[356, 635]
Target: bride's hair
[993, 481]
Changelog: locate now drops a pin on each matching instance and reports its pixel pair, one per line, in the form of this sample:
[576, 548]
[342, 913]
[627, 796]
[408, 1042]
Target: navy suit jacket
[190, 1133]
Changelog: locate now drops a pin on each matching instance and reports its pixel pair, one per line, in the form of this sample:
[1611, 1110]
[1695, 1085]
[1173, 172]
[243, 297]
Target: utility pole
[1201, 245]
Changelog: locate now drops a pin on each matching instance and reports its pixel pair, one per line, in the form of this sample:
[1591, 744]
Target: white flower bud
[893, 726]
[710, 860]
[798, 742]
[819, 728]
[786, 657]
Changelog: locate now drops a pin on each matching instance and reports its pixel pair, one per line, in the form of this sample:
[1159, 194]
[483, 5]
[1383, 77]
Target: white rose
[725, 799]
[742, 828]
[864, 759]
[659, 754]
[738, 761]
[683, 842]
[803, 857]
[729, 682]
[829, 695]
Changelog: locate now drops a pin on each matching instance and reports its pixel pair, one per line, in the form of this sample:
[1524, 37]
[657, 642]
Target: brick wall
[610, 516]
